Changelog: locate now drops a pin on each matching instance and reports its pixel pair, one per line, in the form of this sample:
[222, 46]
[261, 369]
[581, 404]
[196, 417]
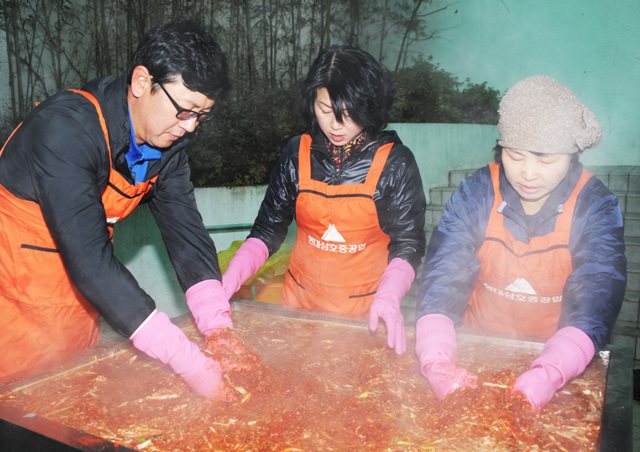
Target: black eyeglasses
[185, 114]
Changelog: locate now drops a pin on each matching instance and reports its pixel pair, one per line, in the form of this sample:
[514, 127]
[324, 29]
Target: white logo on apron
[521, 285]
[332, 234]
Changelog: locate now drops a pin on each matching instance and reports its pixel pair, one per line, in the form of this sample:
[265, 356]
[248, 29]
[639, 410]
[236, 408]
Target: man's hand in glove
[159, 338]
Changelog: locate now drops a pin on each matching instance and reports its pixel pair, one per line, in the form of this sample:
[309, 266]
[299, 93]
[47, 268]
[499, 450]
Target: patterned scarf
[340, 153]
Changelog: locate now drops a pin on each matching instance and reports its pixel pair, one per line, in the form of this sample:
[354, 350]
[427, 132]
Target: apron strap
[103, 123]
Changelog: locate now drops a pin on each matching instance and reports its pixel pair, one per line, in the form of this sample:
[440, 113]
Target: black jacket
[399, 196]
[58, 158]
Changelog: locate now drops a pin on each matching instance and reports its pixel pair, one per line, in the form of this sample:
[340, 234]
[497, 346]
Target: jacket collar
[387, 136]
[557, 197]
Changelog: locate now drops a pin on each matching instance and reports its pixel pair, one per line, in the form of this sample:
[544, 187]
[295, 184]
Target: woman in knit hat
[531, 245]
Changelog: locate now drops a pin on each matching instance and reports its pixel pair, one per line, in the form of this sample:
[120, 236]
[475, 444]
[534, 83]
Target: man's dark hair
[356, 82]
[184, 48]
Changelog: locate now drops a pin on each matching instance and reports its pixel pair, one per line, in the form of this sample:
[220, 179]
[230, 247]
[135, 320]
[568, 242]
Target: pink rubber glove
[244, 264]
[164, 341]
[436, 348]
[209, 305]
[394, 284]
[565, 355]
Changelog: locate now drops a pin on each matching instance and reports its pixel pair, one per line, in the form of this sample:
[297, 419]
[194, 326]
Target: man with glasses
[83, 160]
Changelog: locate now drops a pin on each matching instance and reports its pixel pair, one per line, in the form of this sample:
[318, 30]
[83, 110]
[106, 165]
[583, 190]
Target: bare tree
[383, 29]
[414, 27]
[10, 22]
[251, 73]
[54, 44]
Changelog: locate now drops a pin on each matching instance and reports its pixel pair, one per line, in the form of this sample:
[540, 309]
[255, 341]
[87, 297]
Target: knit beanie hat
[541, 114]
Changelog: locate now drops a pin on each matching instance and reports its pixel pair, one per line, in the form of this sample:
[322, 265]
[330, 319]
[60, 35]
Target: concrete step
[631, 225]
[633, 276]
[456, 176]
[440, 195]
[630, 313]
[632, 246]
[432, 215]
[428, 230]
[627, 336]
[618, 178]
[629, 202]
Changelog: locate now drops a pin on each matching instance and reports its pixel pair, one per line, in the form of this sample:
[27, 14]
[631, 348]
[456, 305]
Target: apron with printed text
[340, 251]
[44, 317]
[520, 285]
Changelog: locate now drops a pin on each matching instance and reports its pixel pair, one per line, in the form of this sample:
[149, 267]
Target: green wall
[440, 148]
[593, 46]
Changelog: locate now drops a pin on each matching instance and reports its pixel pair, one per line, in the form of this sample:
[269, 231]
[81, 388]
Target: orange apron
[44, 317]
[340, 251]
[519, 288]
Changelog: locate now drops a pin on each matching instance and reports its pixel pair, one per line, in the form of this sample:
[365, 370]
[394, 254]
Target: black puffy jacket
[399, 196]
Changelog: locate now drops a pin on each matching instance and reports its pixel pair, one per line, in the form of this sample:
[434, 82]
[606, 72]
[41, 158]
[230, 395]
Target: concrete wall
[440, 148]
[139, 246]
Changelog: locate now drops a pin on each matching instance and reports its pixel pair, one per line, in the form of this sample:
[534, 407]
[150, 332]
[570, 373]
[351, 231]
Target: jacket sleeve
[594, 291]
[173, 204]
[278, 207]
[451, 265]
[401, 205]
[65, 150]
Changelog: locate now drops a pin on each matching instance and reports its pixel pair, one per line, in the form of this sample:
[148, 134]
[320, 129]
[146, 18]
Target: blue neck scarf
[138, 156]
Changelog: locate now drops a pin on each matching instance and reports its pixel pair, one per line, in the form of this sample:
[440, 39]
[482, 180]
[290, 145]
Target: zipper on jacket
[338, 170]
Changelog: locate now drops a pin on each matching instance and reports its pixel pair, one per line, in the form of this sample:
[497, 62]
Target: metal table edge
[617, 416]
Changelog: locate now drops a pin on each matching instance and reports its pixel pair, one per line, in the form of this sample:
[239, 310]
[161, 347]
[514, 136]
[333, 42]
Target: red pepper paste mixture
[300, 385]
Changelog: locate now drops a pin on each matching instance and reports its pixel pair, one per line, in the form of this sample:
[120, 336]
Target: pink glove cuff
[396, 280]
[568, 352]
[159, 338]
[203, 291]
[244, 264]
[208, 304]
[435, 341]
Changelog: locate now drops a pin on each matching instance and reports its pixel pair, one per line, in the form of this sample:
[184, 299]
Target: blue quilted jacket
[594, 291]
